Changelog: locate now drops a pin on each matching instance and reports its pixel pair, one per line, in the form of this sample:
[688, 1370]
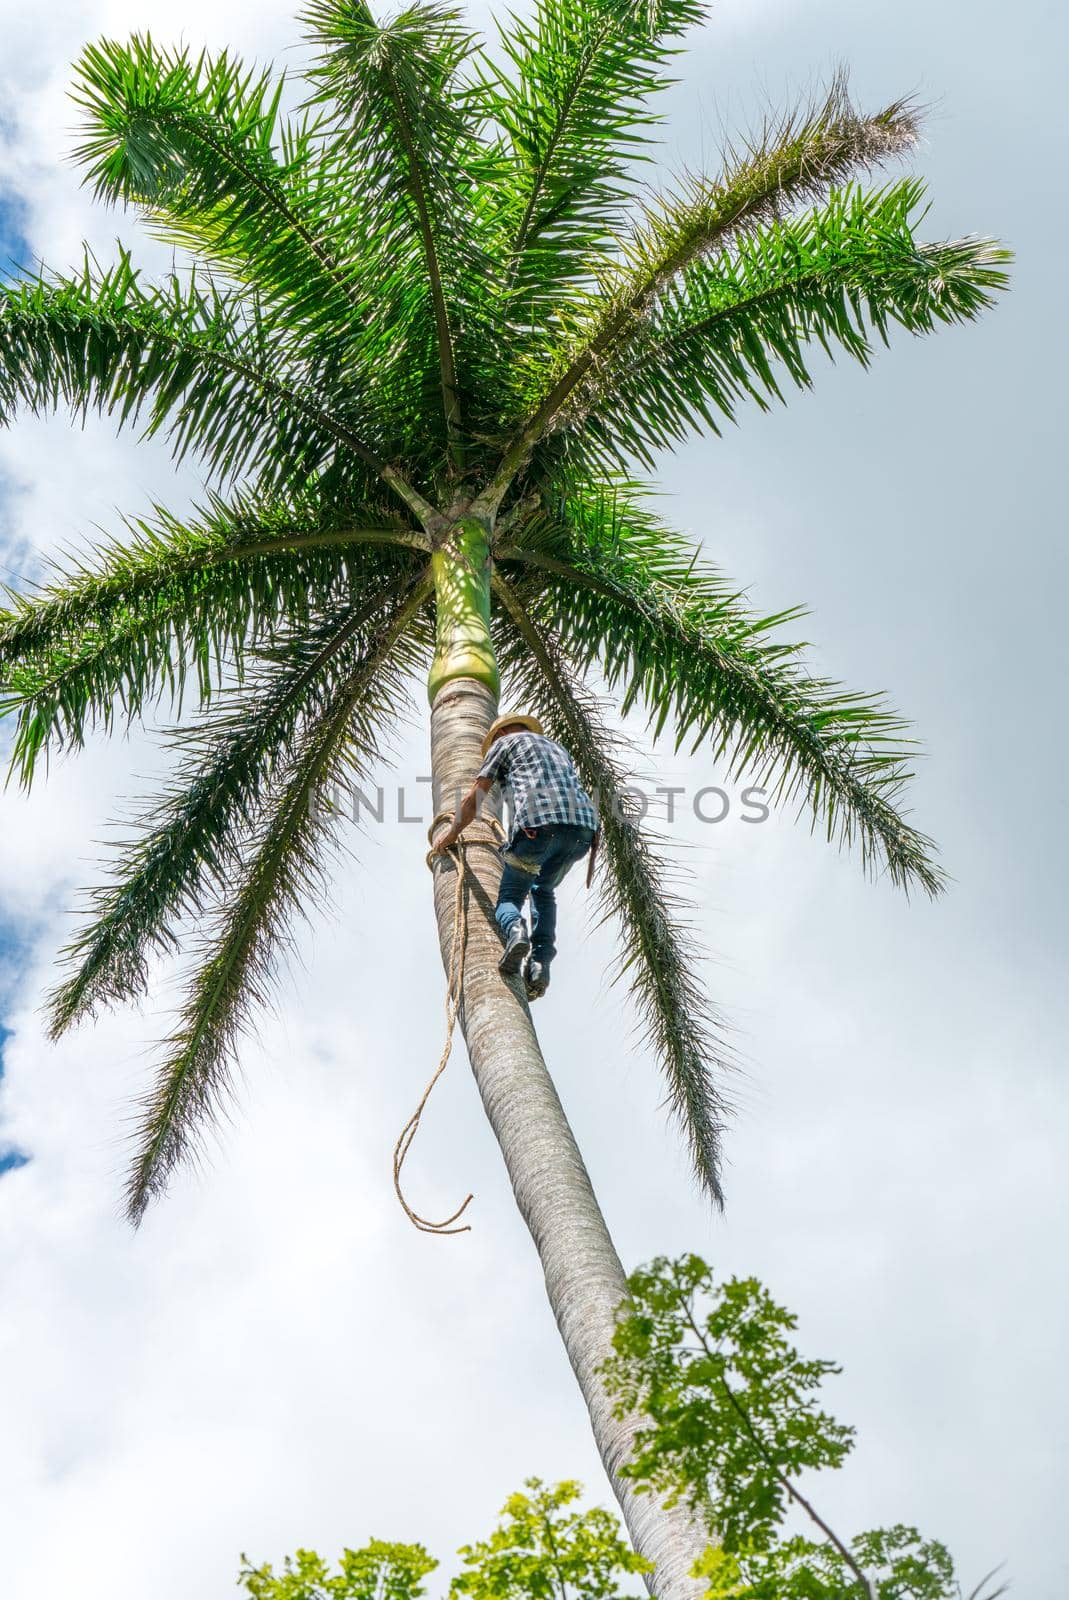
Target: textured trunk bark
[584, 1278]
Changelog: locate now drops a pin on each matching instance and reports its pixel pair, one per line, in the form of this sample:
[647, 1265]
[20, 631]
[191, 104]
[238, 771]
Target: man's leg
[516, 881]
[514, 889]
[570, 846]
[544, 918]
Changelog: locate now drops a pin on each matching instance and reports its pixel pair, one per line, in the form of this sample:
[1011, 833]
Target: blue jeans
[534, 865]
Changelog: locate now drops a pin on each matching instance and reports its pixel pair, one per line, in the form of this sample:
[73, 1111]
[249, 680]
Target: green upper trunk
[463, 647]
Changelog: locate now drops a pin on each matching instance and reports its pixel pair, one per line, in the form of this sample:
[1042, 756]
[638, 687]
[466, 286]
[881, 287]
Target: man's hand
[465, 814]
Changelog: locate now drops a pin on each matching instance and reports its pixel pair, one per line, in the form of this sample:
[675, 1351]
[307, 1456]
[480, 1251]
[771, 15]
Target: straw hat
[514, 719]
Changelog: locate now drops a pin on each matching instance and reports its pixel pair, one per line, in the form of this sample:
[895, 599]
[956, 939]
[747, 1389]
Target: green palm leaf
[175, 598]
[200, 145]
[632, 600]
[196, 830]
[575, 111]
[284, 872]
[207, 366]
[841, 278]
[399, 107]
[677, 337]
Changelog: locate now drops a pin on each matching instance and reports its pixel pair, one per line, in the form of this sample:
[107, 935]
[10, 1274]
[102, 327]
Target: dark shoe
[537, 979]
[517, 949]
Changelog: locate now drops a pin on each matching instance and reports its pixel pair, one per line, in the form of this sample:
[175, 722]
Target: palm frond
[200, 144]
[840, 278]
[193, 833]
[284, 873]
[577, 115]
[679, 338]
[101, 641]
[207, 367]
[398, 105]
[659, 955]
[633, 601]
[793, 161]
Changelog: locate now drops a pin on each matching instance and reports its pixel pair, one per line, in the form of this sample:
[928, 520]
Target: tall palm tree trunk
[584, 1278]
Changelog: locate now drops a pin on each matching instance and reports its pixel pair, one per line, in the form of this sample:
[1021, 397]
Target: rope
[454, 992]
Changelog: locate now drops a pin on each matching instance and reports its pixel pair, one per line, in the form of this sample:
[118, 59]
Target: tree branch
[762, 1449]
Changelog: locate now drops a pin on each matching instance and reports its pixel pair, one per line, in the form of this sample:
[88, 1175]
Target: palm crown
[434, 327]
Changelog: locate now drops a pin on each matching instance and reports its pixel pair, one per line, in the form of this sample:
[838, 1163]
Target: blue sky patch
[10, 951]
[14, 249]
[14, 252]
[16, 258]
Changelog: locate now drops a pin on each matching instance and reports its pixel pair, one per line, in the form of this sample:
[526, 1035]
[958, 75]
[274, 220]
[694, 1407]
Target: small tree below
[731, 1417]
[378, 1571]
[543, 1551]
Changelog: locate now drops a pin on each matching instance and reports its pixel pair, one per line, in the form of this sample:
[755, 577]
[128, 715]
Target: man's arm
[465, 813]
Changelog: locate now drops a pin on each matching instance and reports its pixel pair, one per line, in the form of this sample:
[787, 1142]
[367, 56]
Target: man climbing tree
[553, 825]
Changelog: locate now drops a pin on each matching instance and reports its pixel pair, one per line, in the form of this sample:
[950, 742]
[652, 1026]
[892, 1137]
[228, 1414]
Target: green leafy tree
[435, 325]
[729, 1419]
[898, 1563]
[377, 1571]
[541, 1550]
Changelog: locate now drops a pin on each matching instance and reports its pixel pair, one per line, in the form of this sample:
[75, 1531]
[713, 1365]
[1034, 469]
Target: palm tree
[433, 330]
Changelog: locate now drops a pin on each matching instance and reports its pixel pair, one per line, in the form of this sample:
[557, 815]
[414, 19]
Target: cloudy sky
[276, 1358]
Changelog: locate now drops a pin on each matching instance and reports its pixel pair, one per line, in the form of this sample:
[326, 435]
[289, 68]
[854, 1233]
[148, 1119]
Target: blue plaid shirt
[539, 782]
